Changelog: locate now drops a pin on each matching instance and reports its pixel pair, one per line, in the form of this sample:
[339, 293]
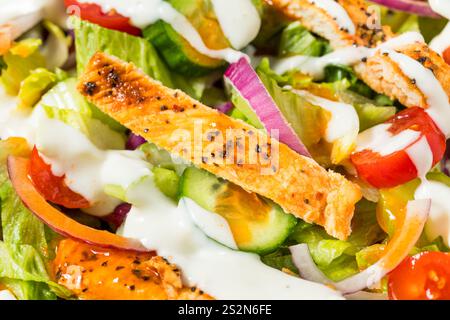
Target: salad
[224, 149]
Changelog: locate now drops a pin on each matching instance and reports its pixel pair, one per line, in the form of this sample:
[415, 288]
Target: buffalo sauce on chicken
[97, 273]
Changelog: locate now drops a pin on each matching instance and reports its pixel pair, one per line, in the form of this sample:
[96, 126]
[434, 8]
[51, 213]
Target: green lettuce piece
[167, 181]
[64, 103]
[307, 120]
[20, 60]
[401, 22]
[244, 108]
[25, 250]
[369, 113]
[34, 86]
[57, 46]
[335, 73]
[297, 40]
[430, 27]
[162, 158]
[90, 38]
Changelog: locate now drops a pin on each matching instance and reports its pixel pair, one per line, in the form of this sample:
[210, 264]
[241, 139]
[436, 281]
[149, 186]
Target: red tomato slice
[110, 20]
[446, 55]
[18, 169]
[397, 168]
[425, 276]
[53, 188]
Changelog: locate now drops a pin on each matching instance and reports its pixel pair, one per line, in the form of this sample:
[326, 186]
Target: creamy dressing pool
[221, 272]
[240, 24]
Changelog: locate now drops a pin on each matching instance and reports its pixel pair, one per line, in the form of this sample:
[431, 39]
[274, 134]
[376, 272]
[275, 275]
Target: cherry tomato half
[425, 276]
[110, 20]
[397, 168]
[51, 187]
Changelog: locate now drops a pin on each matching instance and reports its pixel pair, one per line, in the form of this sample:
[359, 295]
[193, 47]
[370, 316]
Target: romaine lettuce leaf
[34, 86]
[401, 22]
[336, 258]
[307, 120]
[63, 102]
[23, 57]
[90, 38]
[297, 40]
[57, 45]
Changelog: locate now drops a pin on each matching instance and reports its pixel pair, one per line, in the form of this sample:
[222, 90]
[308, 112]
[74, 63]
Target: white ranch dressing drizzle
[88, 169]
[349, 56]
[441, 7]
[314, 66]
[344, 119]
[6, 295]
[438, 222]
[239, 20]
[421, 156]
[163, 226]
[17, 123]
[220, 271]
[379, 139]
[11, 10]
[336, 11]
[442, 41]
[437, 99]
[143, 13]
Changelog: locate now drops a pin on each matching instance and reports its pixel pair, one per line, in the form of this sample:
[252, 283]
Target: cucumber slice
[179, 55]
[258, 225]
[167, 181]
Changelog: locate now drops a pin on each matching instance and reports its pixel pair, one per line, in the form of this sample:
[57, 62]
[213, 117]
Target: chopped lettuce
[57, 45]
[163, 159]
[335, 73]
[241, 104]
[369, 112]
[20, 60]
[167, 181]
[90, 38]
[34, 86]
[307, 120]
[336, 258]
[402, 22]
[64, 103]
[25, 249]
[297, 40]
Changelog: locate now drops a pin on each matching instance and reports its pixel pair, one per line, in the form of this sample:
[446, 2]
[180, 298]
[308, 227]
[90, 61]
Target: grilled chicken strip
[381, 73]
[384, 75]
[94, 273]
[169, 119]
[368, 29]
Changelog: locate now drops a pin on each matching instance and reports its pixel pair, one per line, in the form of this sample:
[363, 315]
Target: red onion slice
[418, 7]
[134, 141]
[224, 107]
[119, 214]
[245, 80]
[397, 250]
